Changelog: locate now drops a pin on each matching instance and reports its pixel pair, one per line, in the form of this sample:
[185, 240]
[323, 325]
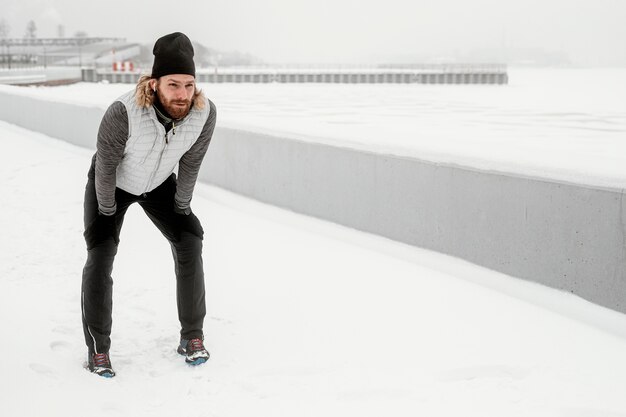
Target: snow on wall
[562, 235]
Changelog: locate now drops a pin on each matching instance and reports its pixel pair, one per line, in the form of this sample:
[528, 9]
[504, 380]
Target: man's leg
[185, 235]
[190, 291]
[102, 237]
[97, 297]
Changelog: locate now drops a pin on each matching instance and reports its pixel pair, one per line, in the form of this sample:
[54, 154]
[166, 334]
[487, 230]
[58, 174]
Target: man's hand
[100, 229]
[187, 221]
[182, 211]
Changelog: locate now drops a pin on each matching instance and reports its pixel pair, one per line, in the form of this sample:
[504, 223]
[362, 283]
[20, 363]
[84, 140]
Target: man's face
[176, 93]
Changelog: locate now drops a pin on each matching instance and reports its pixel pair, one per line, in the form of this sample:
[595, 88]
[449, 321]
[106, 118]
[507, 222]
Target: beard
[177, 109]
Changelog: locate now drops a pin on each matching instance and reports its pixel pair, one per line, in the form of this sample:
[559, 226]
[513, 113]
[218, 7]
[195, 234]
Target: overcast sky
[590, 32]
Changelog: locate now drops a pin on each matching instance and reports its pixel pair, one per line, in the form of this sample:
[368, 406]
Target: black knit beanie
[173, 54]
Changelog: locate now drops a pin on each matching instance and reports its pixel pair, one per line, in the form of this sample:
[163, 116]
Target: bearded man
[163, 123]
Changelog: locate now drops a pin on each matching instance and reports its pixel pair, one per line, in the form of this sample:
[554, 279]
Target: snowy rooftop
[560, 124]
[305, 318]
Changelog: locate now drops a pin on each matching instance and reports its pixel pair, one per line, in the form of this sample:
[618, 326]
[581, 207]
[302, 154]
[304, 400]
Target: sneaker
[193, 350]
[100, 364]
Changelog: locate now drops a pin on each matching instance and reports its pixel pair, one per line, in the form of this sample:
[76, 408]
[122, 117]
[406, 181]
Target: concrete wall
[562, 235]
[70, 122]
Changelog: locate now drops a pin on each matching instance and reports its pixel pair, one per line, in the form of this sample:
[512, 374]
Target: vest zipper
[163, 150]
[158, 165]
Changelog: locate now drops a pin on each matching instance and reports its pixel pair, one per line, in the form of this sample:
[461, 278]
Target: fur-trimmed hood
[144, 96]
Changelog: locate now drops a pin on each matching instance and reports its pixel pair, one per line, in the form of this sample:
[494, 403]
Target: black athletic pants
[102, 236]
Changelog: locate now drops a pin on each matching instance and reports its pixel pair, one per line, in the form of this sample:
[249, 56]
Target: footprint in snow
[43, 370]
[59, 345]
[63, 330]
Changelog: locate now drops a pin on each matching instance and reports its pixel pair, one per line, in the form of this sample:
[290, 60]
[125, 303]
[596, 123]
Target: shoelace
[195, 345]
[101, 360]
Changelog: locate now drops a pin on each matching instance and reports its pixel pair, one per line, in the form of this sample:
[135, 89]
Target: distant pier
[425, 74]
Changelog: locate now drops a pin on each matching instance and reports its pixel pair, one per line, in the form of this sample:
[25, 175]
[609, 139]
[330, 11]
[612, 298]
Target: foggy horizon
[577, 33]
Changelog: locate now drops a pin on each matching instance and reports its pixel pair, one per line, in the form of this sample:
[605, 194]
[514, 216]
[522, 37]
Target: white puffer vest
[151, 154]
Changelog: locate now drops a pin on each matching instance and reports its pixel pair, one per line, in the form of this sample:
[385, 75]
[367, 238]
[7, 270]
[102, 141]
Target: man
[143, 135]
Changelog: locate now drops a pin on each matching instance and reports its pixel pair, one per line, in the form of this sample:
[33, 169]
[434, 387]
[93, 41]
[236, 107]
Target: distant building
[90, 52]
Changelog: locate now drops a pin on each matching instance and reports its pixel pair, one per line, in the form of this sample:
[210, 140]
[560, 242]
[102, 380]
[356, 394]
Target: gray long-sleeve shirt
[112, 138]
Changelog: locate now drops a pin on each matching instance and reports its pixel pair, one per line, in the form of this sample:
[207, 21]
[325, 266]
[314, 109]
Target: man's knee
[189, 241]
[102, 232]
[102, 254]
[189, 224]
[188, 248]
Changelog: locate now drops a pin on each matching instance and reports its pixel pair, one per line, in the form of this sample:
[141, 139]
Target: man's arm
[189, 164]
[112, 138]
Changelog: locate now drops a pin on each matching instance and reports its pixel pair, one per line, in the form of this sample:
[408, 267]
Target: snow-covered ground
[305, 318]
[561, 124]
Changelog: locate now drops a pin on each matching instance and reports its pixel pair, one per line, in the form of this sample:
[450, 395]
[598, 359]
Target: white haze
[585, 32]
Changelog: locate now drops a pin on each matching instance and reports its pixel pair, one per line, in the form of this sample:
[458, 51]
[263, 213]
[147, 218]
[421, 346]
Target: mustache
[167, 102]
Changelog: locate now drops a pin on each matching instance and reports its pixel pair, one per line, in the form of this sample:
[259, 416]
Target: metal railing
[346, 76]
